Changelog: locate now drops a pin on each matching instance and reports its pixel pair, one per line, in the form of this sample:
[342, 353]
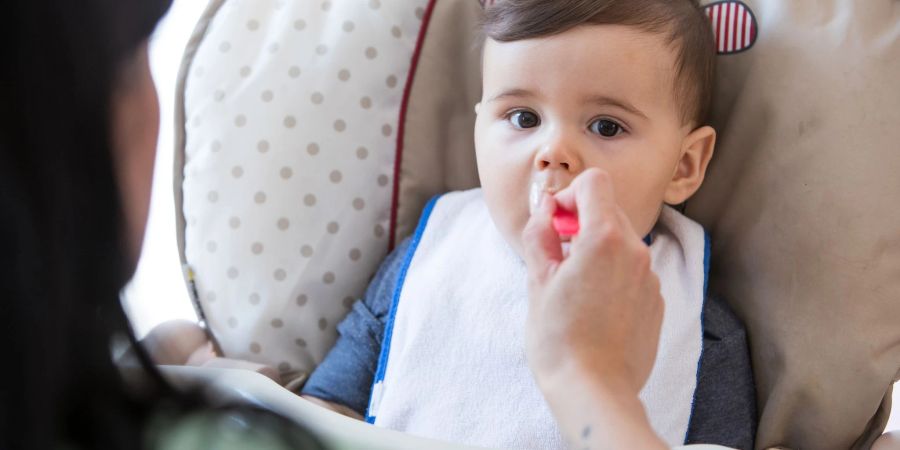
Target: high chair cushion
[285, 177]
[806, 244]
[436, 151]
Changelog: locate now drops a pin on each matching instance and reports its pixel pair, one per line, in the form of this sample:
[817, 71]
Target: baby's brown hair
[682, 22]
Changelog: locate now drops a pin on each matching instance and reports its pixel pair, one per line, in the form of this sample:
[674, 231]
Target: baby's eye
[606, 128]
[524, 119]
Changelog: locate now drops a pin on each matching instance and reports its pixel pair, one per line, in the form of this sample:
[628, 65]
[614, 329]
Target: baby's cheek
[504, 174]
[508, 215]
[643, 213]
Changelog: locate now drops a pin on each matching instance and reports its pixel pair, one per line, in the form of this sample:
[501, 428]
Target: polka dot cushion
[290, 111]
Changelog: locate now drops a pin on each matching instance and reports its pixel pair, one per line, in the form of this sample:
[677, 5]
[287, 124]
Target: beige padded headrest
[438, 152]
[799, 201]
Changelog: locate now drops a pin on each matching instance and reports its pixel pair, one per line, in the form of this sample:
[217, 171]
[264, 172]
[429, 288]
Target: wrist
[597, 409]
[574, 375]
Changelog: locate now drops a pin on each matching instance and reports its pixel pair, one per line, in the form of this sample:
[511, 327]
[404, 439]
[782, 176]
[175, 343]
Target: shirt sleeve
[345, 375]
[724, 411]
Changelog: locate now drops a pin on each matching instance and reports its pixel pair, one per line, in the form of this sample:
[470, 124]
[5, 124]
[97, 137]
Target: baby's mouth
[540, 184]
[564, 222]
[535, 192]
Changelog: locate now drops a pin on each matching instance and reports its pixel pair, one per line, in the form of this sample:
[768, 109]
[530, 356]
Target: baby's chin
[509, 218]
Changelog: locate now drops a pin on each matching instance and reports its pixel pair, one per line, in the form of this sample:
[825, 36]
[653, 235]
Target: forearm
[596, 416]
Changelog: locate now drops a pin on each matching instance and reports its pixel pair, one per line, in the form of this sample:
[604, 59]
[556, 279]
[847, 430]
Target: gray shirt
[724, 409]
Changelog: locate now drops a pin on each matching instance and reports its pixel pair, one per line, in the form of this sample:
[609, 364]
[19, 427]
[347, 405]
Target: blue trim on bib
[389, 327]
[707, 250]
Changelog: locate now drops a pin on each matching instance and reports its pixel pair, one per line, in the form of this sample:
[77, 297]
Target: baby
[436, 346]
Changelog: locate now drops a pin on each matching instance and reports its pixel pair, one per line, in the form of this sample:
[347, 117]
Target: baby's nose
[551, 163]
[557, 157]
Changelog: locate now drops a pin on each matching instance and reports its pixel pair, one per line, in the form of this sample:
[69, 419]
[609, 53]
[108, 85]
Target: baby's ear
[696, 151]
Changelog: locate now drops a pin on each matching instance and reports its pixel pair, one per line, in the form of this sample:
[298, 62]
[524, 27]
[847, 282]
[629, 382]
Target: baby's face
[595, 96]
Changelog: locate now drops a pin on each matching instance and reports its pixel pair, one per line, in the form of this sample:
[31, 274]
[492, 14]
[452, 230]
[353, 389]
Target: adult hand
[184, 343]
[594, 317]
[600, 307]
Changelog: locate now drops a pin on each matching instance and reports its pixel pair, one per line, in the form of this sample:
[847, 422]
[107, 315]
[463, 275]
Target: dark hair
[681, 21]
[62, 257]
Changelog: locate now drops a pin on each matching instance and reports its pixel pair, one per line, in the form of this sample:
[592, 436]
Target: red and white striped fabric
[734, 26]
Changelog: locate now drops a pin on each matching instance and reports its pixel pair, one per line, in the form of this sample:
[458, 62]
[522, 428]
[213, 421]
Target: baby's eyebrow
[603, 100]
[612, 101]
[517, 92]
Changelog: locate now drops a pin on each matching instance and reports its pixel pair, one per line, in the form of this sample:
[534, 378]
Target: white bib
[453, 363]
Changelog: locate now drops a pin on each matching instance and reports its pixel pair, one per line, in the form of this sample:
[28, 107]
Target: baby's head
[568, 85]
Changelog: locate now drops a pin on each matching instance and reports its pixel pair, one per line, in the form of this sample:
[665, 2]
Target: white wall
[157, 293]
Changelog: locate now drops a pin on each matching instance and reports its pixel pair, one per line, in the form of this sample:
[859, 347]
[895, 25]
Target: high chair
[311, 134]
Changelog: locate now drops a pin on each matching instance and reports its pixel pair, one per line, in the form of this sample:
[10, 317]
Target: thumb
[541, 245]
